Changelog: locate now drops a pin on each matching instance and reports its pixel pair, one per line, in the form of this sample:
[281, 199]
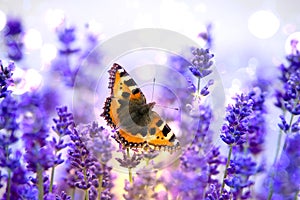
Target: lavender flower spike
[201, 62]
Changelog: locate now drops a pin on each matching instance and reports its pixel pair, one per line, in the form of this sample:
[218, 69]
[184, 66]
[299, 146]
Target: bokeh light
[54, 18]
[33, 39]
[48, 52]
[2, 20]
[263, 24]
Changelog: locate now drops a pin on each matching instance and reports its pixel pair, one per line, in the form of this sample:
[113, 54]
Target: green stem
[100, 179]
[296, 195]
[129, 169]
[271, 186]
[51, 179]
[8, 185]
[9, 175]
[226, 167]
[86, 194]
[198, 87]
[73, 193]
[40, 182]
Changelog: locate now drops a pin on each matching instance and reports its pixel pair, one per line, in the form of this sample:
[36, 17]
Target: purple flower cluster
[143, 186]
[201, 62]
[287, 172]
[85, 170]
[6, 79]
[283, 172]
[288, 99]
[199, 163]
[70, 57]
[244, 133]
[237, 119]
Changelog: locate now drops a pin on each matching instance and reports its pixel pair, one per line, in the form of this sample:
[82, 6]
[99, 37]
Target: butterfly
[136, 124]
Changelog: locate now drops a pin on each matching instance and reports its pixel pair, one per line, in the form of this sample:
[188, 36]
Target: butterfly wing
[123, 110]
[160, 135]
[122, 86]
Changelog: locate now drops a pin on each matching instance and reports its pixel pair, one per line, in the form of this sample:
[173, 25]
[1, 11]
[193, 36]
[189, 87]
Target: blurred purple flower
[207, 36]
[13, 27]
[143, 186]
[286, 177]
[199, 163]
[129, 162]
[98, 140]
[13, 31]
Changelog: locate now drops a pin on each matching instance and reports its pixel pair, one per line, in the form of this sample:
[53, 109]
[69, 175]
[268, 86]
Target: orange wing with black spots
[127, 110]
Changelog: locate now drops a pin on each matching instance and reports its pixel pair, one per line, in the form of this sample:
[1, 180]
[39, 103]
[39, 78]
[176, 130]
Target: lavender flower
[285, 180]
[130, 162]
[237, 118]
[201, 63]
[85, 170]
[97, 140]
[63, 196]
[241, 168]
[207, 36]
[143, 186]
[6, 79]
[244, 133]
[62, 64]
[62, 127]
[199, 163]
[66, 36]
[288, 98]
[13, 38]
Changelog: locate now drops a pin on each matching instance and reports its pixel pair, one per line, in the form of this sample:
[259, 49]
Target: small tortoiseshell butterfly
[126, 110]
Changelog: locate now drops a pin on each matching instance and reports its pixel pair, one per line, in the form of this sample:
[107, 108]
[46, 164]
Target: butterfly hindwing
[126, 110]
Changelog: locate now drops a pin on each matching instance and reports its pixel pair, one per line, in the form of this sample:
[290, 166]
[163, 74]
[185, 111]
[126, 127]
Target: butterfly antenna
[153, 89]
[172, 108]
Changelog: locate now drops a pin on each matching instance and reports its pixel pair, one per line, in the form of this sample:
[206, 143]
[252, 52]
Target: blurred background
[249, 39]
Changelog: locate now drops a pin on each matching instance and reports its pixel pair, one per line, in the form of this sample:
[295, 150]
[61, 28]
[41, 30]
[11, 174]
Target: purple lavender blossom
[237, 119]
[143, 186]
[286, 175]
[207, 36]
[62, 127]
[244, 133]
[13, 38]
[288, 98]
[129, 162]
[97, 139]
[63, 196]
[6, 78]
[199, 163]
[257, 124]
[85, 170]
[241, 168]
[201, 63]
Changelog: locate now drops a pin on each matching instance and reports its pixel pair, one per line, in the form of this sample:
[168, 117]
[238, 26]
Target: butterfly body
[127, 111]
